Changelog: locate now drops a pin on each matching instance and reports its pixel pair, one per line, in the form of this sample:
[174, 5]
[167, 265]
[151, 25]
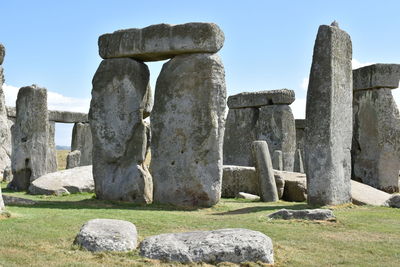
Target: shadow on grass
[263, 208]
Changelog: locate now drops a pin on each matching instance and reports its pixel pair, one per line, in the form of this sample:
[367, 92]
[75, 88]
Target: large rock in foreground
[329, 119]
[75, 180]
[118, 131]
[107, 235]
[230, 245]
[162, 41]
[315, 214]
[187, 131]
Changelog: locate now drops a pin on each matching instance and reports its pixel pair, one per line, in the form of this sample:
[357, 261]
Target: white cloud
[55, 101]
[299, 108]
[357, 64]
[304, 83]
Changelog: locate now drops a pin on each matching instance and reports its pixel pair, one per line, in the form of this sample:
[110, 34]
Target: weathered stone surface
[277, 161]
[363, 194]
[30, 140]
[2, 53]
[295, 185]
[67, 116]
[2, 206]
[311, 214]
[73, 159]
[7, 174]
[11, 200]
[240, 132]
[265, 172]
[107, 235]
[11, 112]
[376, 139]
[376, 76]
[247, 196]
[82, 141]
[237, 179]
[329, 119]
[230, 245]
[149, 102]
[394, 201]
[51, 148]
[276, 126]
[5, 133]
[300, 137]
[70, 181]
[162, 41]
[118, 131]
[298, 161]
[241, 178]
[188, 130]
[261, 98]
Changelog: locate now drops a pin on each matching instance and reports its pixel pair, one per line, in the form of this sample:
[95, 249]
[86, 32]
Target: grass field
[42, 235]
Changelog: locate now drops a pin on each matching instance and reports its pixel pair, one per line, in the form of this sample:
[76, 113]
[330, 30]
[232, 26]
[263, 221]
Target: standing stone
[329, 119]
[73, 159]
[265, 172]
[240, 133]
[263, 115]
[276, 126]
[5, 133]
[30, 148]
[188, 127]
[300, 136]
[51, 153]
[82, 141]
[118, 131]
[298, 162]
[376, 136]
[277, 162]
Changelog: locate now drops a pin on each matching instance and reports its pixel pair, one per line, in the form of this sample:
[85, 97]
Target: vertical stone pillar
[329, 119]
[300, 140]
[263, 115]
[119, 132]
[5, 133]
[265, 173]
[51, 153]
[376, 133]
[188, 127]
[82, 141]
[31, 129]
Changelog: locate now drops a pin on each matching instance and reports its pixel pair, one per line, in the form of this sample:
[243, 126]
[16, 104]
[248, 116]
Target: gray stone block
[310, 214]
[376, 76]
[82, 141]
[376, 139]
[73, 159]
[2, 53]
[223, 245]
[329, 119]
[51, 149]
[67, 116]
[261, 98]
[31, 137]
[277, 161]
[265, 172]
[187, 131]
[162, 41]
[237, 179]
[118, 131]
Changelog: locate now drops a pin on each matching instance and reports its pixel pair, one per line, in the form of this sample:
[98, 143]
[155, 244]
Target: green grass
[42, 235]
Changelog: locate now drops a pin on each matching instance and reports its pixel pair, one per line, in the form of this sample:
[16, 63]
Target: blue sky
[268, 44]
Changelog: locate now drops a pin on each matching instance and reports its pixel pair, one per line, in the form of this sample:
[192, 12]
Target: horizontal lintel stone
[261, 98]
[162, 41]
[56, 115]
[376, 76]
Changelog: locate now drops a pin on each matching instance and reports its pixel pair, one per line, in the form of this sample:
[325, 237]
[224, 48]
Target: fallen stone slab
[261, 98]
[310, 214]
[107, 235]
[230, 245]
[393, 201]
[75, 180]
[162, 41]
[11, 200]
[376, 76]
[247, 196]
[363, 194]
